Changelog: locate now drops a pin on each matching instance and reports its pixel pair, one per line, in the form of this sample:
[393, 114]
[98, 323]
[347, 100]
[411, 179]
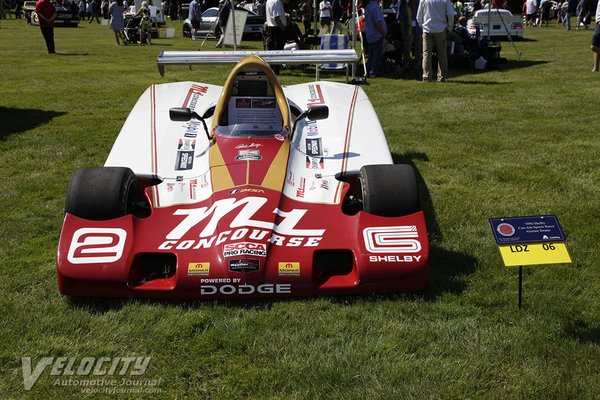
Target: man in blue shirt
[435, 17]
[195, 15]
[375, 31]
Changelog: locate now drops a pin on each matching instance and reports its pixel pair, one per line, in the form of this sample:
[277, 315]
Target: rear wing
[317, 57]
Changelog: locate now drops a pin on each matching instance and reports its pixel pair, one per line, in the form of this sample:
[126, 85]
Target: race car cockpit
[252, 102]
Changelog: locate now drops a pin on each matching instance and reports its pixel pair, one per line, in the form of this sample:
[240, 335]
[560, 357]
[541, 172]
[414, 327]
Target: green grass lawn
[522, 140]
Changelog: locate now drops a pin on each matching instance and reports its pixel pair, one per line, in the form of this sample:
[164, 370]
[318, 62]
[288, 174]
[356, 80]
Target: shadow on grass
[71, 54]
[19, 120]
[583, 332]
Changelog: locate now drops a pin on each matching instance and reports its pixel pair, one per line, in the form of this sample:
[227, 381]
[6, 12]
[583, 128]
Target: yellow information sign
[534, 254]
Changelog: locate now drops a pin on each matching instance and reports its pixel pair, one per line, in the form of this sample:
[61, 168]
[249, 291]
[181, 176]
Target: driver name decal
[242, 227]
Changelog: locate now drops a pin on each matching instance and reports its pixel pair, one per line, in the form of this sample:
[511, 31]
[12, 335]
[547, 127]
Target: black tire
[101, 193]
[388, 190]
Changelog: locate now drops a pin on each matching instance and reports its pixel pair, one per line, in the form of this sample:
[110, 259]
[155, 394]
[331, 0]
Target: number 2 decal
[96, 245]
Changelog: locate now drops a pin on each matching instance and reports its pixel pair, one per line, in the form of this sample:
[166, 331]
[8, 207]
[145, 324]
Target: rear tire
[102, 193]
[388, 190]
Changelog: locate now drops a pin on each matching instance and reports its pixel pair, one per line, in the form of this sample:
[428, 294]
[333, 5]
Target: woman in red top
[46, 14]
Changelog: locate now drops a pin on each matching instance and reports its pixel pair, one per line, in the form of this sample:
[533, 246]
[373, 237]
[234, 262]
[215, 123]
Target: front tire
[388, 190]
[102, 193]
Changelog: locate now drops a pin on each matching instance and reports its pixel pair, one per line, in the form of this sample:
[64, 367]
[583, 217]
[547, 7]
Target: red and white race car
[245, 190]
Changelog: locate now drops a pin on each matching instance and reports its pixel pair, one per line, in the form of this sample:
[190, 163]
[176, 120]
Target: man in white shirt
[276, 25]
[435, 17]
[325, 16]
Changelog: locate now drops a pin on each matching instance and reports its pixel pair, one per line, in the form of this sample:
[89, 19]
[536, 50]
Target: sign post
[532, 240]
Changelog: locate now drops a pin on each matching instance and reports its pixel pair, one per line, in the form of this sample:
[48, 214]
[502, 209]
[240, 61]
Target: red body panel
[245, 241]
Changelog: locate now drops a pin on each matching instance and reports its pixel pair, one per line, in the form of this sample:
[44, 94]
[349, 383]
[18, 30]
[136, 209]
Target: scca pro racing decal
[96, 245]
[391, 240]
[244, 265]
[245, 249]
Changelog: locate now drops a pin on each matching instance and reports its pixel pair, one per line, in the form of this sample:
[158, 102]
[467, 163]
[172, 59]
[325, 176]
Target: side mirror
[180, 114]
[313, 114]
[317, 113]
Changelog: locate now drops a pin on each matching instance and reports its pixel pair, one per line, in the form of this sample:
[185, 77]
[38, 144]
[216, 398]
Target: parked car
[28, 8]
[65, 17]
[210, 19]
[502, 23]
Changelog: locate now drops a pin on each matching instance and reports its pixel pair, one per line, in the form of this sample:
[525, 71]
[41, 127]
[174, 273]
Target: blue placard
[532, 229]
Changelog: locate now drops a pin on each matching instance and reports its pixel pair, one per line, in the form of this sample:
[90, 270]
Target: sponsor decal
[195, 92]
[244, 289]
[316, 96]
[248, 146]
[291, 178]
[191, 129]
[315, 162]
[325, 184]
[505, 229]
[170, 187]
[245, 249]
[394, 259]
[193, 188]
[96, 245]
[204, 180]
[289, 269]
[242, 226]
[313, 147]
[244, 265]
[246, 190]
[392, 239]
[199, 269]
[312, 128]
[301, 187]
[249, 155]
[186, 144]
[185, 160]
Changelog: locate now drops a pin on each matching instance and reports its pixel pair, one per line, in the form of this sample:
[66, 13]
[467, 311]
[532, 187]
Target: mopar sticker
[313, 147]
[249, 155]
[185, 160]
[244, 265]
[199, 269]
[289, 269]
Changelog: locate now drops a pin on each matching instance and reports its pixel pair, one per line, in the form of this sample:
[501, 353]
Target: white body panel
[177, 152]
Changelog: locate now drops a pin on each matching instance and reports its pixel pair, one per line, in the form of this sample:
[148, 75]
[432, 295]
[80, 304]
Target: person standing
[375, 32]
[570, 11]
[195, 16]
[46, 14]
[337, 12]
[117, 23]
[307, 14]
[224, 11]
[276, 21]
[325, 16]
[435, 17]
[145, 24]
[596, 40]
